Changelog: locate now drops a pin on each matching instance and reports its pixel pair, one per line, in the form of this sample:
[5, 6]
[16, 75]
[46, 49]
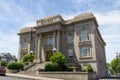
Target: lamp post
[54, 50]
[31, 52]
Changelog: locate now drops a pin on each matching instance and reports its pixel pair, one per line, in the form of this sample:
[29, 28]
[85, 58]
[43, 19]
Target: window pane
[24, 45]
[84, 35]
[70, 52]
[69, 38]
[84, 51]
[50, 41]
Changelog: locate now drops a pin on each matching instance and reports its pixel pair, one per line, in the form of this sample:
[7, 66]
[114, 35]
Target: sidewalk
[30, 77]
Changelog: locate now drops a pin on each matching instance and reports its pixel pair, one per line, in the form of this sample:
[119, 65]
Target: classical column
[54, 33]
[36, 46]
[39, 49]
[58, 40]
[19, 51]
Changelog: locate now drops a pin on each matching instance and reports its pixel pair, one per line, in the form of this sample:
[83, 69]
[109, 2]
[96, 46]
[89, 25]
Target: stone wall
[69, 75]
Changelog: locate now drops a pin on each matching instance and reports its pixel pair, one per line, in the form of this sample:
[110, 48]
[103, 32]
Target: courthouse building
[78, 39]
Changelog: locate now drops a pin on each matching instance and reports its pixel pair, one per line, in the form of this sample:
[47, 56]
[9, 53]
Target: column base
[38, 61]
[34, 60]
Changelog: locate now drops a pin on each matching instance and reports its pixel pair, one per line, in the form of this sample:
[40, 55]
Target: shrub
[69, 69]
[48, 66]
[28, 57]
[58, 58]
[52, 67]
[15, 65]
[4, 63]
[57, 63]
[89, 68]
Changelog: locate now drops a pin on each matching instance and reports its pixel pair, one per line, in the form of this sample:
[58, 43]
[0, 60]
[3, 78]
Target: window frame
[85, 52]
[24, 44]
[69, 38]
[84, 35]
[69, 52]
[49, 40]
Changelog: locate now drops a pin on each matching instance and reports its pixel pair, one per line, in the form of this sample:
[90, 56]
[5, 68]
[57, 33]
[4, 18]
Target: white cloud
[111, 18]
[117, 3]
[9, 43]
[70, 15]
[30, 24]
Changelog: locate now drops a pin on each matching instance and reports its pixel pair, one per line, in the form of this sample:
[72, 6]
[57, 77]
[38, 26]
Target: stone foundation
[69, 75]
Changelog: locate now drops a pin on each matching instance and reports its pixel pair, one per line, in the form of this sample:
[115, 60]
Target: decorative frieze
[48, 29]
[49, 20]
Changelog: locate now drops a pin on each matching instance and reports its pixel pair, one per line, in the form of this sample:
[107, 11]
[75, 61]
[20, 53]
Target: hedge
[15, 65]
[52, 67]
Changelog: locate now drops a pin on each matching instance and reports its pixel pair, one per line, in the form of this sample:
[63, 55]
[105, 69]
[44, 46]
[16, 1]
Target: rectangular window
[49, 40]
[24, 45]
[69, 38]
[84, 35]
[70, 52]
[85, 52]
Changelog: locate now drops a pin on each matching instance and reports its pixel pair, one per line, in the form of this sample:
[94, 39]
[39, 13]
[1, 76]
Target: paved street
[12, 78]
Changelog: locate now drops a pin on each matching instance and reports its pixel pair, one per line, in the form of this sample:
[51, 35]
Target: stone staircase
[37, 66]
[33, 69]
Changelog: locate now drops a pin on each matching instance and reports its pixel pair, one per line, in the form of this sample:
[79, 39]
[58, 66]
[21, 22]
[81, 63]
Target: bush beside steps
[15, 66]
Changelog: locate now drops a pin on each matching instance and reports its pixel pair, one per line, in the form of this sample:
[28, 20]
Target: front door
[49, 54]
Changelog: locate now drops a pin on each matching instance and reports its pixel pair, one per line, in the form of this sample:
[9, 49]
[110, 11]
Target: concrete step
[32, 70]
[37, 66]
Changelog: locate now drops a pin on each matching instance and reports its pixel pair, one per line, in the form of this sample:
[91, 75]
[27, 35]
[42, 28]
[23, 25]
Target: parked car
[2, 70]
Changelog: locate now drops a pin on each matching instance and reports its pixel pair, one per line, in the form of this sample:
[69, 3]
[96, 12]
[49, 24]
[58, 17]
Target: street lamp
[31, 52]
[54, 50]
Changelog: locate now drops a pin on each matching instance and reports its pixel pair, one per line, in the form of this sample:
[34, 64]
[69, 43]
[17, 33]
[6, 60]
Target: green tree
[14, 57]
[28, 57]
[108, 64]
[115, 65]
[4, 63]
[58, 58]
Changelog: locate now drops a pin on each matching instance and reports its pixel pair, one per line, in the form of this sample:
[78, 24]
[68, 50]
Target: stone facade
[78, 39]
[69, 75]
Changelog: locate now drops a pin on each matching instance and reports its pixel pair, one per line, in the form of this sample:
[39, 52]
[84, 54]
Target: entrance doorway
[49, 54]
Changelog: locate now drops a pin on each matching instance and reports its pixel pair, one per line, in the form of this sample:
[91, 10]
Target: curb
[30, 77]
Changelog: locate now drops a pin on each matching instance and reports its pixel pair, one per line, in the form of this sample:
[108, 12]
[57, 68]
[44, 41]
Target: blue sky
[16, 14]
